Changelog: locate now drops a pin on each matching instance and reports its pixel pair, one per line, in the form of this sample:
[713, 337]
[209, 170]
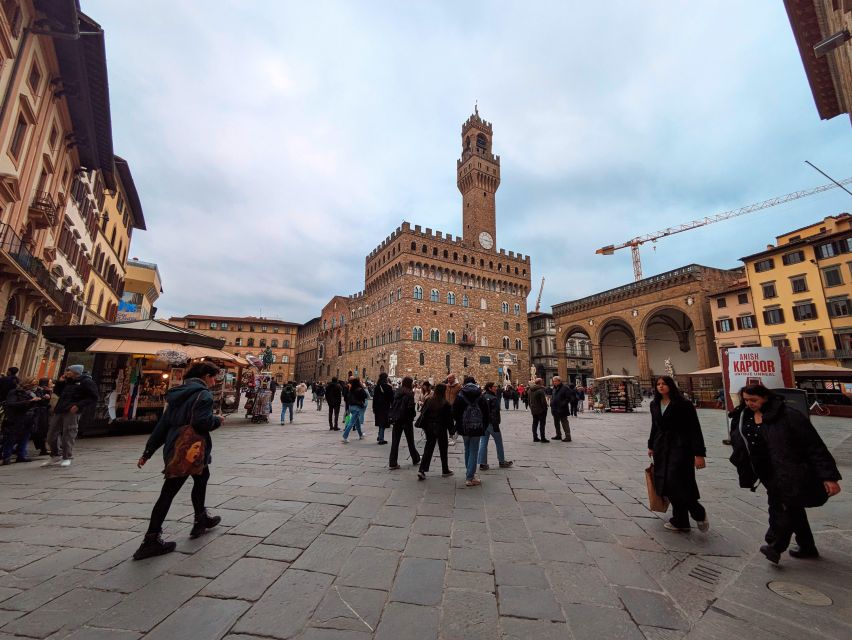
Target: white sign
[754, 365]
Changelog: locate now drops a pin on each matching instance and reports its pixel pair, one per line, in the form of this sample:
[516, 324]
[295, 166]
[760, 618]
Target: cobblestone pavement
[320, 541]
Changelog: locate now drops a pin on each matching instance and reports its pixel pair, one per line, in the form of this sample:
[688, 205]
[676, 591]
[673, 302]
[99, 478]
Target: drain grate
[800, 593]
[706, 574]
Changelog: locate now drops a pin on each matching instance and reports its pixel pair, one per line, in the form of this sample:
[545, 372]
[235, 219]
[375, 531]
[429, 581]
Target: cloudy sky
[274, 144]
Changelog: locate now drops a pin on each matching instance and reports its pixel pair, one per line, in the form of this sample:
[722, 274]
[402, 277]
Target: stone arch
[617, 343]
[669, 333]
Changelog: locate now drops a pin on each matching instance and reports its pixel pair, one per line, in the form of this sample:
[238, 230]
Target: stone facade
[307, 341]
[434, 303]
[635, 329]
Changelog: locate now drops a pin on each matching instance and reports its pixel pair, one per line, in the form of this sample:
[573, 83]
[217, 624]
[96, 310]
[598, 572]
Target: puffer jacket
[537, 399]
[191, 401]
[470, 394]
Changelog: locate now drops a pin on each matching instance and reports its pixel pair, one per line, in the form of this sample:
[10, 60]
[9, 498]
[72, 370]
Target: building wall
[734, 319]
[306, 351]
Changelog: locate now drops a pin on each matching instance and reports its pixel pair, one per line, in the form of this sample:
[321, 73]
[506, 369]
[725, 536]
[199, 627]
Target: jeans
[574, 408]
[784, 521]
[471, 453]
[319, 403]
[396, 436]
[514, 403]
[682, 510]
[356, 419]
[17, 440]
[498, 442]
[539, 421]
[63, 425]
[300, 402]
[439, 437]
[171, 486]
[284, 407]
[333, 414]
[506, 402]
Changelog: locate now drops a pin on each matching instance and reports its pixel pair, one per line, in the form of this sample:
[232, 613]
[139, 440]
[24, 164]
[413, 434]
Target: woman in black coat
[436, 419]
[779, 447]
[677, 447]
[382, 398]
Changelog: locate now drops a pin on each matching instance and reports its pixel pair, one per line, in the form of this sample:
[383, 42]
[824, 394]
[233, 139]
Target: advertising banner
[743, 366]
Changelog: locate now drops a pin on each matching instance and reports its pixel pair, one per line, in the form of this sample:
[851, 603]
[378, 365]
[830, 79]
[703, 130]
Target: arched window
[434, 296]
[465, 301]
[482, 304]
[417, 333]
[351, 345]
[451, 337]
[505, 342]
[434, 335]
[451, 298]
[517, 344]
[422, 358]
[517, 309]
[505, 307]
[484, 341]
[339, 348]
[418, 292]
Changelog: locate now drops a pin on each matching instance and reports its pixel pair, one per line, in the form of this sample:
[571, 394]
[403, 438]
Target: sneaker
[484, 467]
[203, 522]
[65, 463]
[53, 460]
[382, 442]
[798, 552]
[153, 545]
[506, 464]
[394, 467]
[447, 474]
[672, 527]
[421, 475]
[703, 525]
[474, 483]
[344, 441]
[771, 553]
[360, 437]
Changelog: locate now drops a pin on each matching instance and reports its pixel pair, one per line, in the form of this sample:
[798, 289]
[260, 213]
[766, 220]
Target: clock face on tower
[485, 240]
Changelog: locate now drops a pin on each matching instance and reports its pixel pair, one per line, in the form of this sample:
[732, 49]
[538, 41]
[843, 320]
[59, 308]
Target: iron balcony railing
[44, 209]
[16, 249]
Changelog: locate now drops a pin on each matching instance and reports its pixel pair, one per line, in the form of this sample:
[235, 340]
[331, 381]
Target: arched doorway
[578, 352]
[670, 335]
[618, 349]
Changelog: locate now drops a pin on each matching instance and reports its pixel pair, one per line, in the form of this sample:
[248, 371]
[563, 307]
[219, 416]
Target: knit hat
[76, 368]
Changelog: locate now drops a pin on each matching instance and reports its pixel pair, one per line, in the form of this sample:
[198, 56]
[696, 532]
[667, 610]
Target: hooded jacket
[190, 401]
[470, 394]
[80, 392]
[538, 399]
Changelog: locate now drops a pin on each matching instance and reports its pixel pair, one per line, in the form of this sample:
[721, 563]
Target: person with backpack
[538, 407]
[581, 399]
[288, 399]
[470, 413]
[358, 398]
[333, 396]
[436, 420]
[401, 415]
[382, 398]
[492, 431]
[319, 394]
[453, 388]
[190, 403]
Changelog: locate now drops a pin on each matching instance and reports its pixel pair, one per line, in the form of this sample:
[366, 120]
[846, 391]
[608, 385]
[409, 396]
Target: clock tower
[478, 177]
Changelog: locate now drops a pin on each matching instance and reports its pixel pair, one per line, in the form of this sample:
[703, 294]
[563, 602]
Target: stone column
[644, 367]
[597, 360]
[705, 349]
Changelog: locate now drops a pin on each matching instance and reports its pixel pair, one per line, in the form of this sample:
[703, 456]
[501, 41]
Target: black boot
[203, 522]
[567, 437]
[153, 545]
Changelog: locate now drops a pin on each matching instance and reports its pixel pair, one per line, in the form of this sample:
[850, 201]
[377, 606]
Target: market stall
[618, 394]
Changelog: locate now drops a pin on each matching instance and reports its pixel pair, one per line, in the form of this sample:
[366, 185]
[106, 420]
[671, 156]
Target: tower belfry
[478, 178]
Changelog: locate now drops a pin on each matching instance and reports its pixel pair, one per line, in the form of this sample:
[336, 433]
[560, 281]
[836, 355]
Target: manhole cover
[800, 593]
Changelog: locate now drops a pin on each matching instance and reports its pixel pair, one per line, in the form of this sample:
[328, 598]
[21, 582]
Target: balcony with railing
[17, 251]
[43, 210]
[467, 341]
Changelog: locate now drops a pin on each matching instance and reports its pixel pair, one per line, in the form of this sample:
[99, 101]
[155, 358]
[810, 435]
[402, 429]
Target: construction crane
[538, 300]
[635, 243]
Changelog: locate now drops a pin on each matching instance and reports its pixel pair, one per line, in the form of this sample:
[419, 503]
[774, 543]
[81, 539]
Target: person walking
[470, 413]
[492, 430]
[515, 398]
[382, 398]
[401, 415]
[574, 400]
[333, 396]
[320, 394]
[358, 398]
[77, 392]
[19, 419]
[677, 446]
[41, 415]
[436, 419]
[288, 399]
[560, 407]
[525, 396]
[537, 400]
[453, 388]
[273, 387]
[190, 403]
[776, 445]
[581, 399]
[301, 390]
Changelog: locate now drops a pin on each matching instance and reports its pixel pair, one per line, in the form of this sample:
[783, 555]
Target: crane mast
[635, 243]
[538, 300]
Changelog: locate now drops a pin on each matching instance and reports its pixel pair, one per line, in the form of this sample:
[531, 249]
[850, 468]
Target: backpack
[397, 408]
[288, 394]
[472, 421]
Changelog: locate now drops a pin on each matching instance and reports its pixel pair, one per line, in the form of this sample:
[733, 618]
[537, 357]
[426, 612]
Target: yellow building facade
[802, 291]
[142, 288]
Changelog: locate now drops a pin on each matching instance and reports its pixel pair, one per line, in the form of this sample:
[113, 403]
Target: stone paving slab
[319, 541]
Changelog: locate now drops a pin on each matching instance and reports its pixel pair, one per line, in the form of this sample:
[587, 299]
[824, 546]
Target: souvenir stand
[618, 394]
[134, 364]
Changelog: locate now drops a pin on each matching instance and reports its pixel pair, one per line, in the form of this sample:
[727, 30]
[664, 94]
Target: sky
[274, 144]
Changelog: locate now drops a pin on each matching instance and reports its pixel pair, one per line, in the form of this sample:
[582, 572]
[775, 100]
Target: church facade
[432, 303]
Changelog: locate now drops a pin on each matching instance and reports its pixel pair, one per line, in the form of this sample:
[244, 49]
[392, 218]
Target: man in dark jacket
[288, 399]
[538, 407]
[333, 396]
[401, 415]
[560, 407]
[574, 399]
[470, 413]
[319, 391]
[79, 392]
[492, 430]
[382, 398]
[20, 404]
[8, 382]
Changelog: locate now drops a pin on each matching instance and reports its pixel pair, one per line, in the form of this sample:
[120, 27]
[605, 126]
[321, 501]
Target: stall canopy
[143, 347]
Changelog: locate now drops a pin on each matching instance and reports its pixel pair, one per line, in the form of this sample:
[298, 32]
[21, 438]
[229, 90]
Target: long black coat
[382, 398]
[676, 440]
[799, 461]
[560, 401]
